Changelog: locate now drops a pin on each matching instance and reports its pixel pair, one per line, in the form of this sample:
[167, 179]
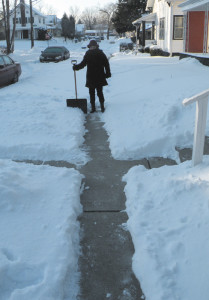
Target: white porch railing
[200, 124]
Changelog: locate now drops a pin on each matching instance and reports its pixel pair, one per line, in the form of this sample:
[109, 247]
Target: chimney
[22, 10]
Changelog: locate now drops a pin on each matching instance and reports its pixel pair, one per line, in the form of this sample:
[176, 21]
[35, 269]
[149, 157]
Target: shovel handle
[75, 86]
[73, 62]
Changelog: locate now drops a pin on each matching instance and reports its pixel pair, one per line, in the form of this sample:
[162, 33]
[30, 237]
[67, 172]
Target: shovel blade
[79, 103]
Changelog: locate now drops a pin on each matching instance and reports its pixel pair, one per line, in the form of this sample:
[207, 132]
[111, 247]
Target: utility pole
[31, 25]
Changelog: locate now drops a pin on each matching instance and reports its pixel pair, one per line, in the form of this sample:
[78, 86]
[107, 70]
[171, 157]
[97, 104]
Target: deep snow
[167, 207]
[39, 231]
[168, 211]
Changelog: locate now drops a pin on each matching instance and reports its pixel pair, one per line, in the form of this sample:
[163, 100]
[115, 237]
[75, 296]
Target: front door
[25, 34]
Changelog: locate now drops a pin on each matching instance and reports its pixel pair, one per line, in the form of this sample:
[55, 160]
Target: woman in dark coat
[98, 69]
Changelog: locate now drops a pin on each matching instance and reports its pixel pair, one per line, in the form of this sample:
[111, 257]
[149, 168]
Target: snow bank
[168, 213]
[35, 121]
[144, 115]
[39, 231]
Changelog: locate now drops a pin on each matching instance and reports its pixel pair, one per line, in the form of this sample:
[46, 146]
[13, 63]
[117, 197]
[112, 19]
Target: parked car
[9, 70]
[54, 53]
[126, 46]
[97, 39]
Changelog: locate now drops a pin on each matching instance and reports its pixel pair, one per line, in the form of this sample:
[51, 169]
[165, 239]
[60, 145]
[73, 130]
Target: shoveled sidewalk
[106, 260]
[106, 246]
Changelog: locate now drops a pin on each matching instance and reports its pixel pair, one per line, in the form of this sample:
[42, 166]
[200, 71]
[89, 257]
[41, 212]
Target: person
[98, 69]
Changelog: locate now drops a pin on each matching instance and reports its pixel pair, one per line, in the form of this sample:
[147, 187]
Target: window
[17, 20]
[25, 20]
[162, 29]
[7, 60]
[178, 27]
[29, 20]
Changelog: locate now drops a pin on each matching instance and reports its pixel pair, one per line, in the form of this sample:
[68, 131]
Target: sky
[61, 6]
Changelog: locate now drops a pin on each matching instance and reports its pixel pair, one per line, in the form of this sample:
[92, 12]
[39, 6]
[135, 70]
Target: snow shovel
[79, 103]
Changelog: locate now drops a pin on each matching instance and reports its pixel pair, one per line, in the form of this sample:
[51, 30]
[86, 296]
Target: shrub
[156, 51]
[147, 49]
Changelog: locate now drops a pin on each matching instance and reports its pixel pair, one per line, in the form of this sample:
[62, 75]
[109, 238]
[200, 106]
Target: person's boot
[93, 109]
[102, 107]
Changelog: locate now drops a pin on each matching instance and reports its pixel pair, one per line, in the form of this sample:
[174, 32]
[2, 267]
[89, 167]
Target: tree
[7, 12]
[108, 12]
[71, 33]
[74, 12]
[65, 26]
[88, 17]
[126, 12]
[31, 25]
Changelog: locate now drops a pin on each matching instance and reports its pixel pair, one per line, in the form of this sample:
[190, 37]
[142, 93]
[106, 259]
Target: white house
[196, 25]
[53, 25]
[166, 18]
[80, 29]
[23, 25]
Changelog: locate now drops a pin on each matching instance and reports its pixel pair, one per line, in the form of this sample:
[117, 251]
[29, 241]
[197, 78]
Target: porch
[203, 58]
[196, 26]
[145, 29]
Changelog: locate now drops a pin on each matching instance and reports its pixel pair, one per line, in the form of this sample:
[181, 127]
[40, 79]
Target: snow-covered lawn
[168, 211]
[35, 122]
[39, 231]
[145, 116]
[167, 207]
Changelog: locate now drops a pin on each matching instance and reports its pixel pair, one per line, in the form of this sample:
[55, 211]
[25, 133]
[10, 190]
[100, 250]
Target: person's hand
[74, 67]
[108, 75]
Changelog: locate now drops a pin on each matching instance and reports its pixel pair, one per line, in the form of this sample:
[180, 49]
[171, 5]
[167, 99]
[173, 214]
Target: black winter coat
[98, 68]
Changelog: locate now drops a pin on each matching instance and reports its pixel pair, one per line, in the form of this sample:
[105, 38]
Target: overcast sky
[61, 6]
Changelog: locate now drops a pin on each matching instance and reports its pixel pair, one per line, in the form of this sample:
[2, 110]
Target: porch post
[199, 134]
[153, 30]
[171, 29]
[205, 41]
[143, 33]
[185, 32]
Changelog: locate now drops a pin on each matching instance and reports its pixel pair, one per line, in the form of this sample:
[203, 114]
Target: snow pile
[35, 121]
[145, 116]
[39, 231]
[168, 213]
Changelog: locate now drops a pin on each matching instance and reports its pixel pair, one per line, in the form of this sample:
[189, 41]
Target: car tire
[16, 78]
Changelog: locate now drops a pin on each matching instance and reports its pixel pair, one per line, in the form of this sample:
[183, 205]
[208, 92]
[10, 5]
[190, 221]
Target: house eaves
[193, 4]
[146, 18]
[150, 4]
[34, 10]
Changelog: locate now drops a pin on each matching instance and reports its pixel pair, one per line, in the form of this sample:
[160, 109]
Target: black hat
[93, 43]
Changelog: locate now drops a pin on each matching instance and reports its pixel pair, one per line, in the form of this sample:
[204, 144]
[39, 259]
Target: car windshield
[53, 50]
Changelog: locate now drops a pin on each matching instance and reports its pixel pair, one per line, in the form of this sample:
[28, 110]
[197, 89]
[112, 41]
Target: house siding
[24, 32]
[163, 10]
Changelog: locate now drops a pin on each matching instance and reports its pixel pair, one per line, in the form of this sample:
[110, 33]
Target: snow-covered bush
[156, 51]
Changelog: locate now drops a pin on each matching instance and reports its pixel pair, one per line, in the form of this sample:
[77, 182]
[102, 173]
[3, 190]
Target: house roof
[34, 10]
[194, 5]
[150, 3]
[147, 18]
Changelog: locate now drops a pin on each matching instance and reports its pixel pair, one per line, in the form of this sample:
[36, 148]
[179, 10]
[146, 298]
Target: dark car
[9, 70]
[126, 46]
[55, 54]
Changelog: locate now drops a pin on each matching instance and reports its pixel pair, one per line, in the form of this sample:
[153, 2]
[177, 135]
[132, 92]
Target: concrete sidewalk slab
[107, 249]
